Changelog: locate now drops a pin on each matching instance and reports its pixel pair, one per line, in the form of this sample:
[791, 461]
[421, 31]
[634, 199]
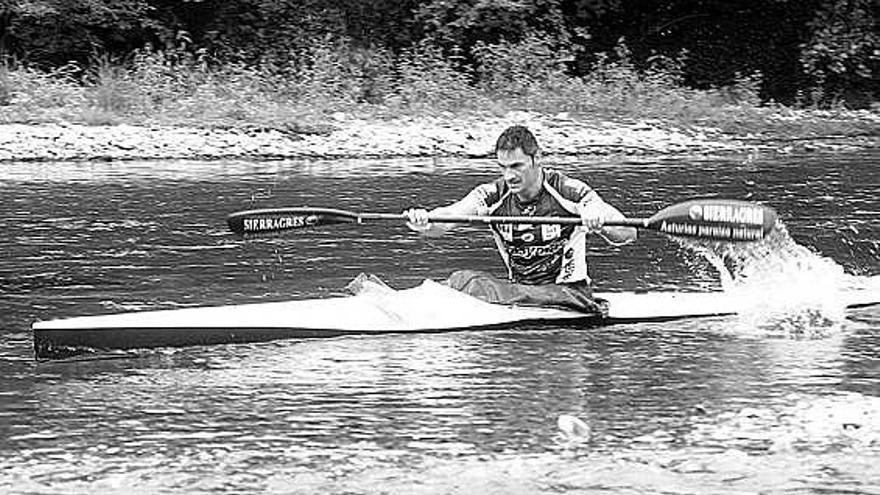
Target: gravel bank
[405, 137]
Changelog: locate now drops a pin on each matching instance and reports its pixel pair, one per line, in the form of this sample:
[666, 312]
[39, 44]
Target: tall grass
[31, 95]
[181, 87]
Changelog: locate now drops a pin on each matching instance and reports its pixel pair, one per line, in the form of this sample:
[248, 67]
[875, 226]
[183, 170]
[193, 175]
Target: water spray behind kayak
[781, 286]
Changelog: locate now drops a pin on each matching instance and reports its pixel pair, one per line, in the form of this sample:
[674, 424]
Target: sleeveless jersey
[538, 254]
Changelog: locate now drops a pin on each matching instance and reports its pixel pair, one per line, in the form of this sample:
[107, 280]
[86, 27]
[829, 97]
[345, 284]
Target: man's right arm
[475, 203]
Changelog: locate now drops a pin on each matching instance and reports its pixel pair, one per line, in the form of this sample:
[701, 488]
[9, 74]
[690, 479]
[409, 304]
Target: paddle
[715, 219]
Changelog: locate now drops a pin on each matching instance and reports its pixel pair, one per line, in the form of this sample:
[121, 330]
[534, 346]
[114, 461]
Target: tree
[274, 30]
[57, 31]
[465, 22]
[842, 56]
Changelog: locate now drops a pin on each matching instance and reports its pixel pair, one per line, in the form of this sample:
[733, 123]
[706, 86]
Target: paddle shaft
[484, 219]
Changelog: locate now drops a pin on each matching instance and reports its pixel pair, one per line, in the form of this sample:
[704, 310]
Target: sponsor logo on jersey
[567, 269]
[506, 231]
[550, 232]
[531, 252]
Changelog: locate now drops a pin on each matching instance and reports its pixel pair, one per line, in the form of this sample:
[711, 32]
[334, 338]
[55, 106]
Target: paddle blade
[715, 219]
[283, 219]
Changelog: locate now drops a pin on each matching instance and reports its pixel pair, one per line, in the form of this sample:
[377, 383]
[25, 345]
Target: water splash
[780, 286]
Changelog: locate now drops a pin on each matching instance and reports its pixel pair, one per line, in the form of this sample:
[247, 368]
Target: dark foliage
[803, 51]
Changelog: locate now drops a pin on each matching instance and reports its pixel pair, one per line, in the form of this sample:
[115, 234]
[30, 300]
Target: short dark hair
[517, 136]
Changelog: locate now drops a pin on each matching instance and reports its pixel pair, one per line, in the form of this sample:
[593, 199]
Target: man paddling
[546, 264]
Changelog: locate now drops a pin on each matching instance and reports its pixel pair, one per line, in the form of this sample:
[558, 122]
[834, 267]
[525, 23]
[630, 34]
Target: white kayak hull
[430, 307]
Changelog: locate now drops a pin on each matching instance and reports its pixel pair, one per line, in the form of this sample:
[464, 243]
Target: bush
[112, 88]
[161, 77]
[841, 58]
[513, 68]
[428, 79]
[35, 95]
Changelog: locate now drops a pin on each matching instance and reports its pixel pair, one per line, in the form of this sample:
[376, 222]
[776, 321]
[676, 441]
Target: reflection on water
[693, 407]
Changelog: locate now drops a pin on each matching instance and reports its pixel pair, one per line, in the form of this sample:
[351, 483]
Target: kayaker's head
[518, 157]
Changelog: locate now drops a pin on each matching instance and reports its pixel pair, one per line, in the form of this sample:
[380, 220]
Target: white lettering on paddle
[721, 232]
[727, 214]
[678, 228]
[746, 234]
[262, 224]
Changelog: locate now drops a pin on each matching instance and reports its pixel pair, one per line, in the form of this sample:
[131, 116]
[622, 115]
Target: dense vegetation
[274, 61]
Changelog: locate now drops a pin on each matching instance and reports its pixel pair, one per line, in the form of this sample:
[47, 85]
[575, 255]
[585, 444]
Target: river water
[754, 403]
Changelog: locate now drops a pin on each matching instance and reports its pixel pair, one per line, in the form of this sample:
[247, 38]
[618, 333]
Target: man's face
[519, 170]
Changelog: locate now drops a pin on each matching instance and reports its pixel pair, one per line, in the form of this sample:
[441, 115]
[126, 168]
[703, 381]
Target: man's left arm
[595, 212]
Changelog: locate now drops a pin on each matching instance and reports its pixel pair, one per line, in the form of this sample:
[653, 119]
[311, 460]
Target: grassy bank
[177, 88]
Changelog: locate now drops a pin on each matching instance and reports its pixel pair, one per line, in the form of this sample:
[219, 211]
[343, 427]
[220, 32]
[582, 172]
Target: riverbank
[441, 135]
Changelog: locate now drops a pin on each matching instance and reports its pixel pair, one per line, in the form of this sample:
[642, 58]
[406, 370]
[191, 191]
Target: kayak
[375, 309]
